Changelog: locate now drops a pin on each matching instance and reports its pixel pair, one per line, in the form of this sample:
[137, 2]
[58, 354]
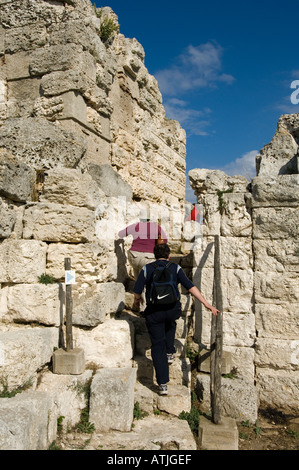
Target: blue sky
[224, 69]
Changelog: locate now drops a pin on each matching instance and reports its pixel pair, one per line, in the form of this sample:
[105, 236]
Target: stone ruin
[85, 142]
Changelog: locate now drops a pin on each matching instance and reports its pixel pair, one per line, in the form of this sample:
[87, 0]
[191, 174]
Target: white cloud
[244, 165]
[196, 68]
[194, 121]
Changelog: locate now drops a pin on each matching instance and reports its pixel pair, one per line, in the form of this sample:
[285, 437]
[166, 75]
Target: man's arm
[197, 294]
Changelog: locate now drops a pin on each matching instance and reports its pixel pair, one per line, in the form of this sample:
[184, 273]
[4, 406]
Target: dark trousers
[161, 327]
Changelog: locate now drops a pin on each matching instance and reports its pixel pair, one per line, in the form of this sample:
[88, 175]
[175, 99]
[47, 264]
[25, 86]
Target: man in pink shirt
[145, 234]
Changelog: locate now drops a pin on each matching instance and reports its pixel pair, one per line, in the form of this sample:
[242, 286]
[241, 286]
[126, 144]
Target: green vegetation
[192, 418]
[107, 29]
[108, 26]
[46, 279]
[137, 412]
[6, 393]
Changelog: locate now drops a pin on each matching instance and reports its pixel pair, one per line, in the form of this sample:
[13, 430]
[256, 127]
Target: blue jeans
[161, 327]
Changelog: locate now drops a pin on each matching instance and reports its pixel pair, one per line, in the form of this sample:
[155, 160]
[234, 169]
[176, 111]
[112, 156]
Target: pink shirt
[144, 234]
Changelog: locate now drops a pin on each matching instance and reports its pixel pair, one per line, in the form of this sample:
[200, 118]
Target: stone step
[150, 433]
[177, 400]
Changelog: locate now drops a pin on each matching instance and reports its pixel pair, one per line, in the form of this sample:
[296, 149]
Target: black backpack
[163, 288]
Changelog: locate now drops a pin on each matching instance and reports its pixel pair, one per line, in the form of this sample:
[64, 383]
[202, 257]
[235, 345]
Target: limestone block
[59, 58]
[24, 351]
[236, 220]
[275, 222]
[7, 218]
[278, 389]
[37, 303]
[212, 181]
[275, 156]
[236, 253]
[277, 353]
[41, 144]
[109, 344]
[71, 187]
[59, 223]
[25, 38]
[282, 190]
[276, 287]
[67, 395]
[17, 65]
[237, 286]
[211, 215]
[177, 400]
[276, 255]
[145, 397]
[242, 359]
[110, 181]
[23, 261]
[62, 82]
[112, 399]
[99, 301]
[93, 262]
[17, 180]
[239, 398]
[277, 321]
[238, 328]
[27, 421]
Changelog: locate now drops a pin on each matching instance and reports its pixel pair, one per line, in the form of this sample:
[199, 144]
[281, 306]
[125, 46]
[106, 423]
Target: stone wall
[84, 142]
[258, 227]
[61, 83]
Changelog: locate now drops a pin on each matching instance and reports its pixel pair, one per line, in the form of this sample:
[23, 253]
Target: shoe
[163, 389]
[170, 358]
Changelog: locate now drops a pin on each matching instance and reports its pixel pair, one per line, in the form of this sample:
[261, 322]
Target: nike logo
[159, 297]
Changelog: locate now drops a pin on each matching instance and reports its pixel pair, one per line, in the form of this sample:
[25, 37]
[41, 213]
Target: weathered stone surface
[71, 187]
[59, 223]
[236, 220]
[109, 344]
[68, 395]
[7, 218]
[112, 399]
[277, 321]
[279, 388]
[278, 353]
[23, 261]
[23, 352]
[277, 255]
[282, 190]
[17, 180]
[275, 222]
[239, 398]
[41, 144]
[275, 158]
[37, 303]
[177, 400]
[93, 262]
[276, 287]
[110, 181]
[27, 421]
[98, 302]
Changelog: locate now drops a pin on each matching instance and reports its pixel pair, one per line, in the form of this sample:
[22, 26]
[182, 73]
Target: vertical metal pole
[216, 338]
[68, 308]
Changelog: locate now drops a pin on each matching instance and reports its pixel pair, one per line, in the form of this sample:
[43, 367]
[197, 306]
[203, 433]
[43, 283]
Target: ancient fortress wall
[85, 148]
[258, 225]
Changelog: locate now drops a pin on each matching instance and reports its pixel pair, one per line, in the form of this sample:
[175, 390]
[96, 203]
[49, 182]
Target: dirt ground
[273, 431]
